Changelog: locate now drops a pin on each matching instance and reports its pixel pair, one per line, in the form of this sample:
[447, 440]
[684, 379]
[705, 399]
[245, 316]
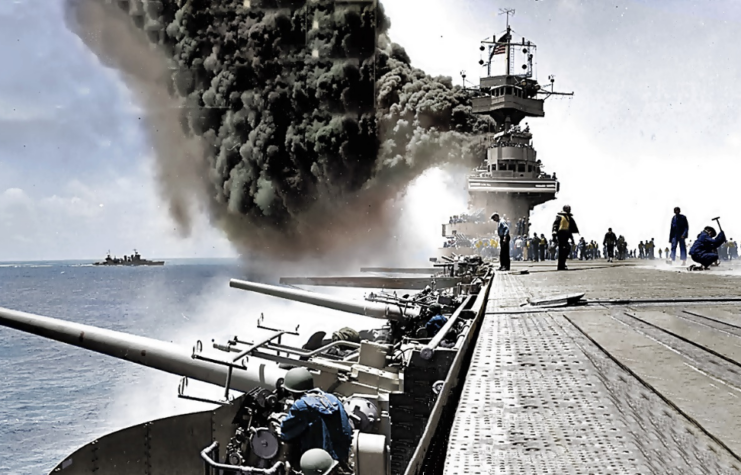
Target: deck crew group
[514, 243]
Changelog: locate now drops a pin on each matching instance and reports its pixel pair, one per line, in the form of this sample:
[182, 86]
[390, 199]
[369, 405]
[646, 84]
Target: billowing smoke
[293, 123]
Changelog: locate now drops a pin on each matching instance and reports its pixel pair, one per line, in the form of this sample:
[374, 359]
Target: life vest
[564, 224]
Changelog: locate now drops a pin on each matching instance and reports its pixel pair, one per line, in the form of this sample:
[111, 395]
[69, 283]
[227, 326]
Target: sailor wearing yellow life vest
[564, 228]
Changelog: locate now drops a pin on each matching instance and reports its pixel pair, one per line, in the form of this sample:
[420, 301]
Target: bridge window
[529, 168]
[521, 167]
[511, 167]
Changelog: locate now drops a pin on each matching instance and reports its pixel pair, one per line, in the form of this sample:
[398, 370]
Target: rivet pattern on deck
[535, 402]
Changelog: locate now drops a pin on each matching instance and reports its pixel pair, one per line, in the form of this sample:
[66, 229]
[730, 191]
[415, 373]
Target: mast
[508, 37]
[508, 48]
[511, 180]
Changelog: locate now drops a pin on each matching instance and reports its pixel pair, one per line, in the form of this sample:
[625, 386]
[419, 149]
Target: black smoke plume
[293, 123]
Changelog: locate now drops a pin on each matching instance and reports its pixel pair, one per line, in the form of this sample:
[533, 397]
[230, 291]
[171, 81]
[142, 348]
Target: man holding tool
[704, 250]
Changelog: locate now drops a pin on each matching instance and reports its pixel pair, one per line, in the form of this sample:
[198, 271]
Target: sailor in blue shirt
[677, 234]
[317, 420]
[438, 320]
[705, 250]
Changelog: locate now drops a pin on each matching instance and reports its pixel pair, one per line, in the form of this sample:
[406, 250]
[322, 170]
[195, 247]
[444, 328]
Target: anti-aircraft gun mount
[397, 385]
[454, 271]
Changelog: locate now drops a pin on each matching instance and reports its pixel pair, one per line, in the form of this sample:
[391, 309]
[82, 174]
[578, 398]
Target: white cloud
[645, 131]
[84, 220]
[653, 123]
[438, 36]
[15, 202]
[13, 196]
[13, 108]
[70, 207]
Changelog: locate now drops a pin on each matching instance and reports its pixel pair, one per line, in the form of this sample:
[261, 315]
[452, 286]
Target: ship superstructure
[512, 180]
[525, 375]
[133, 260]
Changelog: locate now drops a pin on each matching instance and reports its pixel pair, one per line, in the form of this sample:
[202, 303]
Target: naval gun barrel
[149, 352]
[369, 309]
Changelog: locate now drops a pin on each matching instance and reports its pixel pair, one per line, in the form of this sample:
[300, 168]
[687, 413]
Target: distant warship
[524, 376]
[133, 260]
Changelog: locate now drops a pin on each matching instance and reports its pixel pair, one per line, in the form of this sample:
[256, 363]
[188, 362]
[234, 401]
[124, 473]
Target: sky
[653, 124]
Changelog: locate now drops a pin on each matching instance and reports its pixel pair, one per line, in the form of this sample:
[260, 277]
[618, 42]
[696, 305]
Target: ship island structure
[606, 369]
[512, 180]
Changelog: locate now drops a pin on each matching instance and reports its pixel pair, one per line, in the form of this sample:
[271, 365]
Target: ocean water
[56, 398]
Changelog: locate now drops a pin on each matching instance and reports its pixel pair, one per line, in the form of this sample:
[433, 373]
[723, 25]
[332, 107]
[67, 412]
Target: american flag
[501, 45]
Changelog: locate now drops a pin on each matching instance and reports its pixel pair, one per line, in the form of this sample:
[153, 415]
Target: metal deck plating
[603, 388]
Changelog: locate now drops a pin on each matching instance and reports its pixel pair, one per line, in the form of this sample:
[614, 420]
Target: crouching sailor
[437, 322]
[704, 250]
[317, 420]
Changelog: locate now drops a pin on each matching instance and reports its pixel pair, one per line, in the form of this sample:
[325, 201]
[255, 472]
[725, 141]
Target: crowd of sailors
[537, 247]
[476, 217]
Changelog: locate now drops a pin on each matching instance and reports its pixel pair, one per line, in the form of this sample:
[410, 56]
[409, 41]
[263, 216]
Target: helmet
[436, 309]
[317, 462]
[298, 380]
[710, 230]
[346, 334]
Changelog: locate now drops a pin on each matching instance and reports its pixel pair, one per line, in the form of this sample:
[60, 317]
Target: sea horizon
[175, 260]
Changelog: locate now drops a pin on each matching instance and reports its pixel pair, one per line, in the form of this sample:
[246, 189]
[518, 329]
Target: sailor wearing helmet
[317, 420]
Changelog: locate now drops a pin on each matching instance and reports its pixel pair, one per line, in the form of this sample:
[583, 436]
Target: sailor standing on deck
[564, 228]
[609, 242]
[503, 233]
[535, 247]
[677, 234]
[543, 247]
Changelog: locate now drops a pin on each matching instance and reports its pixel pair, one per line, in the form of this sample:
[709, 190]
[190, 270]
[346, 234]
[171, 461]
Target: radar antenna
[508, 12]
